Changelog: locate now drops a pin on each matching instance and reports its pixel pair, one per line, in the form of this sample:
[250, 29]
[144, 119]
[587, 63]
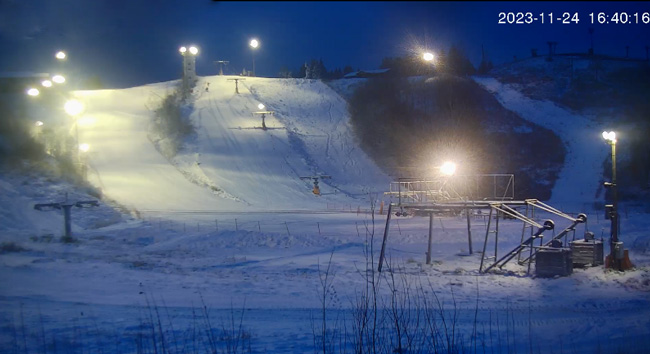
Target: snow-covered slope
[231, 164]
[578, 183]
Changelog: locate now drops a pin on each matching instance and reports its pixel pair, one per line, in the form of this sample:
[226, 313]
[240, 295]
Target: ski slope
[130, 285]
[230, 164]
[578, 182]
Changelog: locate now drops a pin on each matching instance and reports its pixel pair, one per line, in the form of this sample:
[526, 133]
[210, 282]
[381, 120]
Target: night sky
[134, 42]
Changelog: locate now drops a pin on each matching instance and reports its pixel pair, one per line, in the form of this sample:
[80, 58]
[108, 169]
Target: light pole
[189, 67]
[612, 210]
[254, 43]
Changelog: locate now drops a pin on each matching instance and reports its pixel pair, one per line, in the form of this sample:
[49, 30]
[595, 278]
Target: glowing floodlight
[84, 147]
[46, 83]
[182, 50]
[448, 168]
[427, 56]
[60, 55]
[33, 92]
[39, 123]
[73, 107]
[260, 106]
[609, 136]
[254, 43]
[194, 50]
[59, 79]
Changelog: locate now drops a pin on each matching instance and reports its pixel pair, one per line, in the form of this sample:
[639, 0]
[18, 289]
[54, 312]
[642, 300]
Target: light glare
[84, 147]
[39, 123]
[73, 107]
[59, 79]
[254, 43]
[60, 55]
[448, 168]
[260, 106]
[46, 83]
[33, 92]
[609, 136]
[427, 56]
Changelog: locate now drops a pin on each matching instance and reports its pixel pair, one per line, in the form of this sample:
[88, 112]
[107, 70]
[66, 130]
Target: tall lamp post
[616, 247]
[189, 67]
[254, 43]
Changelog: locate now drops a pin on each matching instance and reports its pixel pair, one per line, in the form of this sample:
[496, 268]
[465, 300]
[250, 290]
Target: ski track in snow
[579, 179]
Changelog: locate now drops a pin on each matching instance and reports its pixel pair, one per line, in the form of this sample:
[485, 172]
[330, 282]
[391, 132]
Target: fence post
[317, 223]
[287, 226]
[236, 226]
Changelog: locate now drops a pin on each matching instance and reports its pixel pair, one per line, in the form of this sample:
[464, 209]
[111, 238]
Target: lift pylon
[315, 179]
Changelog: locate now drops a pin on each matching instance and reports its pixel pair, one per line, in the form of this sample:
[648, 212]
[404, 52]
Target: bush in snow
[171, 125]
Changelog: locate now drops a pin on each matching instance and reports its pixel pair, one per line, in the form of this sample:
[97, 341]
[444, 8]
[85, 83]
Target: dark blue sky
[133, 42]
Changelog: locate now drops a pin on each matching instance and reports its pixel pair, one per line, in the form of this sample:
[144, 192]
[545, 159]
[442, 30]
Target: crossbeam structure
[236, 83]
[497, 208]
[453, 188]
[66, 206]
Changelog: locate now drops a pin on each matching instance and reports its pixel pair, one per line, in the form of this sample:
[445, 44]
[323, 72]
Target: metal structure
[315, 179]
[221, 64]
[469, 193]
[236, 84]
[66, 206]
[263, 114]
[189, 68]
[456, 188]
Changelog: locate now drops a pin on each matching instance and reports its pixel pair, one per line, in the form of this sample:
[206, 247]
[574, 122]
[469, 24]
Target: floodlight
[254, 43]
[39, 123]
[427, 56]
[610, 136]
[33, 92]
[84, 147]
[59, 79]
[448, 168]
[182, 50]
[60, 55]
[194, 50]
[260, 106]
[46, 83]
[73, 107]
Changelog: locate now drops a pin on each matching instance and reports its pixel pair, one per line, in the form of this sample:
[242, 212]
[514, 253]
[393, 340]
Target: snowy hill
[231, 164]
[263, 268]
[578, 185]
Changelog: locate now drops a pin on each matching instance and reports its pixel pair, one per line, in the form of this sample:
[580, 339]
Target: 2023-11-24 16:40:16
[524, 18]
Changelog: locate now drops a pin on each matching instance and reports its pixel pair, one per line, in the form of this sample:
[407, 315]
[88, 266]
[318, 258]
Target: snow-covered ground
[256, 250]
[578, 183]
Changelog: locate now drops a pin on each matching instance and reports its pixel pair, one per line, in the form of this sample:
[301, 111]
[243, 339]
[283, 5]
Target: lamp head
[610, 137]
[448, 168]
[73, 107]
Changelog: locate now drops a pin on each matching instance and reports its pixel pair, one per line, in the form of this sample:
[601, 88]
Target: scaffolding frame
[498, 207]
